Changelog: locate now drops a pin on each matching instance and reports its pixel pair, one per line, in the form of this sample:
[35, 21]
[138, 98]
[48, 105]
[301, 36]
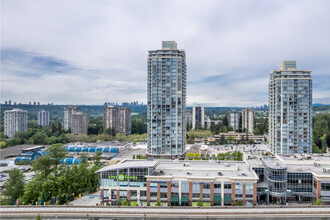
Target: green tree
[239, 203]
[40, 138]
[222, 139]
[225, 121]
[124, 202]
[3, 144]
[56, 153]
[33, 190]
[190, 156]
[14, 186]
[97, 158]
[84, 157]
[318, 201]
[196, 156]
[256, 131]
[43, 165]
[199, 203]
[38, 217]
[230, 139]
[158, 203]
[138, 126]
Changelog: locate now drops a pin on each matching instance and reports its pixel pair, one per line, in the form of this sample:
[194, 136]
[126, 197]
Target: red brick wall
[318, 188]
[158, 191]
[201, 192]
[255, 193]
[129, 196]
[233, 193]
[190, 193]
[169, 193]
[244, 196]
[148, 193]
[117, 196]
[211, 193]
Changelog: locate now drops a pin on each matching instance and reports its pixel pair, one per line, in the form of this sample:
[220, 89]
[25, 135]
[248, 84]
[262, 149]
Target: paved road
[87, 200]
[64, 212]
[15, 150]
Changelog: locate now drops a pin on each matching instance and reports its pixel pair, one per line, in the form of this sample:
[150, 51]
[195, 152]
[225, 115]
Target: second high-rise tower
[166, 101]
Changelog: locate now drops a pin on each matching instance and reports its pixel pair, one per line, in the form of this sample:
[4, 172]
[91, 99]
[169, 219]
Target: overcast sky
[90, 52]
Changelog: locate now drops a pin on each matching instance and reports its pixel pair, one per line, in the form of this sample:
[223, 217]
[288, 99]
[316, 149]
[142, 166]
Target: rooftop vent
[226, 164]
[188, 173]
[220, 174]
[161, 172]
[244, 174]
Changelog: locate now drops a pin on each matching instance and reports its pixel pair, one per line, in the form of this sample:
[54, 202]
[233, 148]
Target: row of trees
[95, 126]
[53, 180]
[261, 126]
[51, 135]
[38, 135]
[321, 132]
[236, 156]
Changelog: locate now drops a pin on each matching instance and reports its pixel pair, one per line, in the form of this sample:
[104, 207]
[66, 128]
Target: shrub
[239, 203]
[158, 203]
[124, 202]
[318, 201]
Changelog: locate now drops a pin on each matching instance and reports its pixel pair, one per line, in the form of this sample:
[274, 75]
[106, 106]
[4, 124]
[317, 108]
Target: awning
[227, 199]
[217, 198]
[174, 198]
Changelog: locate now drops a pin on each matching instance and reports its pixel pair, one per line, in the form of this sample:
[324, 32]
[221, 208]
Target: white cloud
[104, 45]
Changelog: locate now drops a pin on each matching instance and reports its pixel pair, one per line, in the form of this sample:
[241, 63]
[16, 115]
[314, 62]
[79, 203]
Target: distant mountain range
[319, 104]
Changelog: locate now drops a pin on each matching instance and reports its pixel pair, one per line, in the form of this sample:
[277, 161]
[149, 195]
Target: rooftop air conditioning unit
[186, 164]
[220, 174]
[326, 170]
[226, 164]
[317, 164]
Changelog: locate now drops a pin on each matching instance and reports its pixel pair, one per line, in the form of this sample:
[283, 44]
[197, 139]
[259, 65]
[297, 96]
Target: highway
[74, 212]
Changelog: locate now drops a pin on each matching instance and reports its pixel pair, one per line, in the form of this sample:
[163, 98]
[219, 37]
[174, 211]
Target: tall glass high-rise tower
[290, 110]
[166, 101]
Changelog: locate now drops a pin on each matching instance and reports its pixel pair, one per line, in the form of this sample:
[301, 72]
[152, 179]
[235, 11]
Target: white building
[43, 118]
[234, 117]
[248, 120]
[67, 114]
[15, 121]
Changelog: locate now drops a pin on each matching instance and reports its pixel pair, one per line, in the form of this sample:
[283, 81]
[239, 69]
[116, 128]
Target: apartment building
[290, 109]
[166, 116]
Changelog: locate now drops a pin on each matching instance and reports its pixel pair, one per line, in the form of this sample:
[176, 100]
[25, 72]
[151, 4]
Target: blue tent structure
[87, 149]
[38, 154]
[22, 159]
